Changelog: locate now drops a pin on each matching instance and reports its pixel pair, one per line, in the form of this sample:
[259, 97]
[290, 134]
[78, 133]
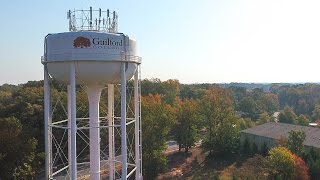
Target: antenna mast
[93, 20]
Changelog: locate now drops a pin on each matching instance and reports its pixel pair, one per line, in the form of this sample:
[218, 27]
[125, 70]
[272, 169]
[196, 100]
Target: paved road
[173, 146]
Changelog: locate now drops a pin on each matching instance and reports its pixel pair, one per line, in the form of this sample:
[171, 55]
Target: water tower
[93, 58]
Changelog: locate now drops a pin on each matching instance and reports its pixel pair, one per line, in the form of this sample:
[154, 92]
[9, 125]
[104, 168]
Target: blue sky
[192, 41]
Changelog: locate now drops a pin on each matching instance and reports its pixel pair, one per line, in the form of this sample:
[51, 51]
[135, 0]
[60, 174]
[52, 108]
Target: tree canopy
[295, 142]
[223, 131]
[187, 124]
[213, 113]
[157, 121]
[286, 165]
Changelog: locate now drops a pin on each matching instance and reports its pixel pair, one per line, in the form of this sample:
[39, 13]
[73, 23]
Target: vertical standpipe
[47, 124]
[111, 130]
[94, 93]
[123, 121]
[69, 128]
[73, 116]
[137, 124]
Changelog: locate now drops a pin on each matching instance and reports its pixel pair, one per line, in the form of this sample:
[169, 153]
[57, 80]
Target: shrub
[301, 169]
[284, 164]
[281, 163]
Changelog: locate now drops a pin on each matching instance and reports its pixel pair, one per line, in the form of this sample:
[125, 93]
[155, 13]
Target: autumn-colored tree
[156, 124]
[285, 165]
[281, 163]
[301, 170]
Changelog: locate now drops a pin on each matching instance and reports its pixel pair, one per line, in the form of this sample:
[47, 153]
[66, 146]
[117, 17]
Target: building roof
[277, 130]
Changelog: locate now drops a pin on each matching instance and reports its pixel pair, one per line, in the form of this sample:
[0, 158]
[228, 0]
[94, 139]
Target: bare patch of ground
[196, 165]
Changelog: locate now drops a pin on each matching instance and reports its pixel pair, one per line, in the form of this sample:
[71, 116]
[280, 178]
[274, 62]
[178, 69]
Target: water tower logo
[81, 42]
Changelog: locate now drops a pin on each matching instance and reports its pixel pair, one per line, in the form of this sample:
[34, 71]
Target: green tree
[264, 118]
[252, 103]
[295, 142]
[288, 116]
[191, 92]
[248, 106]
[238, 93]
[17, 152]
[245, 123]
[186, 127]
[303, 120]
[171, 91]
[271, 102]
[316, 113]
[313, 161]
[302, 98]
[156, 124]
[151, 86]
[223, 132]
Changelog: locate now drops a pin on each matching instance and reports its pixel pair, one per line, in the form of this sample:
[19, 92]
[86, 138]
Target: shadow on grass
[177, 158]
[222, 161]
[213, 165]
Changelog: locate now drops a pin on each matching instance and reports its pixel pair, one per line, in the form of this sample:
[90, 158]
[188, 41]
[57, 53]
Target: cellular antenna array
[93, 20]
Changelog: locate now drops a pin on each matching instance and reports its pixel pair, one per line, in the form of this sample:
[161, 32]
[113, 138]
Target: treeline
[209, 113]
[301, 99]
[21, 130]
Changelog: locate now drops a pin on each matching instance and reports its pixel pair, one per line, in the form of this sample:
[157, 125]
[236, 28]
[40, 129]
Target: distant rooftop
[313, 124]
[277, 130]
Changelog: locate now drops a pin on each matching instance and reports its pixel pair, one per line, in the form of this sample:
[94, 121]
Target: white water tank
[97, 56]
